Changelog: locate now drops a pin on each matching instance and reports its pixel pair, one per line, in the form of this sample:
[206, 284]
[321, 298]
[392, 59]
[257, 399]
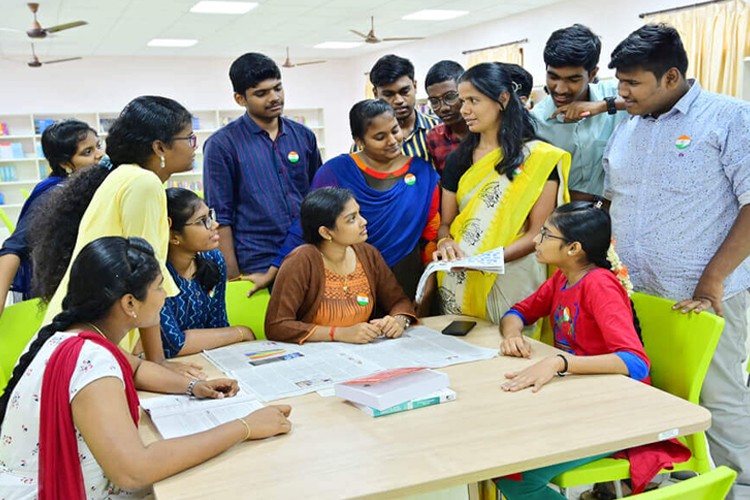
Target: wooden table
[337, 451]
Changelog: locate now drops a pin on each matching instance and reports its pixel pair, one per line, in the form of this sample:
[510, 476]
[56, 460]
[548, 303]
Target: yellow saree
[492, 213]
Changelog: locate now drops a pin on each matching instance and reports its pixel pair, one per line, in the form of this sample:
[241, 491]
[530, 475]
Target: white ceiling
[123, 27]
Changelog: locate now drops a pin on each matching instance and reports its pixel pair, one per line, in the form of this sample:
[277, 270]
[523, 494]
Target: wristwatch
[611, 107]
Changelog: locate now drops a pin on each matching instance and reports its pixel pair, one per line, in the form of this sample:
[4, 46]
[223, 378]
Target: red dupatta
[60, 474]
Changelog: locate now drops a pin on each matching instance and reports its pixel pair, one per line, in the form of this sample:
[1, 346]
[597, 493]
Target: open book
[492, 261]
[177, 416]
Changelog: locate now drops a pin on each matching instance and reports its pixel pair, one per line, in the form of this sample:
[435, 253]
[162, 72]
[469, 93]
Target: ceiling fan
[34, 62]
[289, 64]
[36, 31]
[371, 38]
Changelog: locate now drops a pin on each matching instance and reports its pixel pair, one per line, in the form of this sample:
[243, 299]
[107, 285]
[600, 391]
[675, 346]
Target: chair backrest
[18, 324]
[247, 311]
[680, 346]
[6, 220]
[713, 485]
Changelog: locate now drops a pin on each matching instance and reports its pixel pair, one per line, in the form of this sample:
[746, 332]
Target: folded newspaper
[492, 261]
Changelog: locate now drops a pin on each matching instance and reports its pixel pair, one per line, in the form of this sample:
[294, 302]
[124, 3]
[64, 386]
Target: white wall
[107, 84]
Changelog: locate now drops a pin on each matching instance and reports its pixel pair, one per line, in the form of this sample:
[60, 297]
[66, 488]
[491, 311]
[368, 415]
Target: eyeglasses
[449, 98]
[545, 234]
[192, 140]
[206, 220]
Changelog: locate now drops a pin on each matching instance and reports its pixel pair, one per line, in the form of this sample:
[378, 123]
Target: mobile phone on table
[459, 328]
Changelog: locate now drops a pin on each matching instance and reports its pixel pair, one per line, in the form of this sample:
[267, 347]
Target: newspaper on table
[275, 370]
[181, 415]
[492, 261]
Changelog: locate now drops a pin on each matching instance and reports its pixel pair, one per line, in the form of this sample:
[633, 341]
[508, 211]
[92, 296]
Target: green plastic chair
[18, 324]
[247, 311]
[680, 347]
[713, 485]
[6, 220]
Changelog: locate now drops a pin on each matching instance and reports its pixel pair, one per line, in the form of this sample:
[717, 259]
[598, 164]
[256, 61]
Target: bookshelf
[22, 164]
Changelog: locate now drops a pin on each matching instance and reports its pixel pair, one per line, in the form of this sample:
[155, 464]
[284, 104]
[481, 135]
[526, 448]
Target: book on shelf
[434, 398]
[392, 387]
[4, 129]
[179, 415]
[492, 261]
[41, 124]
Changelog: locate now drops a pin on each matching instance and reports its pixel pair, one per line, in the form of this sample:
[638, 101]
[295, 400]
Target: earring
[134, 315]
[570, 253]
[163, 162]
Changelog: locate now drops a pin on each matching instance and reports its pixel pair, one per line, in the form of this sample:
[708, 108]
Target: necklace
[333, 269]
[97, 329]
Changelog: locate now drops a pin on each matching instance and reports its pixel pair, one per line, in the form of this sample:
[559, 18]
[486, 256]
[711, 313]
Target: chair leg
[618, 489]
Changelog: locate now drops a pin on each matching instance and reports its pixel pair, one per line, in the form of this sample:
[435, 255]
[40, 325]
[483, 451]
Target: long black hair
[321, 207]
[492, 79]
[363, 113]
[105, 270]
[181, 205]
[60, 143]
[54, 227]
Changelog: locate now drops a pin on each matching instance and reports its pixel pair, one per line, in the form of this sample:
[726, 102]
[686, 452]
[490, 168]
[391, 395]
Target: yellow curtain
[369, 94]
[512, 53]
[716, 40]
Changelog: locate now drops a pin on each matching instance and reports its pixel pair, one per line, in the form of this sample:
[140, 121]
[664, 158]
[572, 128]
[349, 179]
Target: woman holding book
[499, 186]
[328, 289]
[196, 318]
[69, 415]
[397, 194]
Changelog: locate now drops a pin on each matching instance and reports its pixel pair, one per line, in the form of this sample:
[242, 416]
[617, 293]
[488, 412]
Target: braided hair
[106, 269]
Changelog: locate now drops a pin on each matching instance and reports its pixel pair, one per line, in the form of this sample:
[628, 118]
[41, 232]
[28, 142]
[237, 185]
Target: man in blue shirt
[256, 170]
[578, 115]
[678, 176]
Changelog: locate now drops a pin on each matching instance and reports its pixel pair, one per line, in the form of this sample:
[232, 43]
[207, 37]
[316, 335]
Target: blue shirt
[256, 184]
[585, 140]
[194, 307]
[677, 183]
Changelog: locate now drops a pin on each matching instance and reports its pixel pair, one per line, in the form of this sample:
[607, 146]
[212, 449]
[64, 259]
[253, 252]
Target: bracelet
[442, 240]
[565, 366]
[247, 426]
[242, 336]
[191, 385]
[405, 319]
[333, 329]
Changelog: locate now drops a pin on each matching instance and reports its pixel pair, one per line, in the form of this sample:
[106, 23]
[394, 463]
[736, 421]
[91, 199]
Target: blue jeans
[534, 483]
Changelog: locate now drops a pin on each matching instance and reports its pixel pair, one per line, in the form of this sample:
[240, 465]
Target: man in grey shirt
[678, 176]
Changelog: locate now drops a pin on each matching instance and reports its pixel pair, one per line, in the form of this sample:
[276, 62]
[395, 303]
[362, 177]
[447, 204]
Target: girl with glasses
[196, 319]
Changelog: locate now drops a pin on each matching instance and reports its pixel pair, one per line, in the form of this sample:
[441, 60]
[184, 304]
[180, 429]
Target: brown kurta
[300, 284]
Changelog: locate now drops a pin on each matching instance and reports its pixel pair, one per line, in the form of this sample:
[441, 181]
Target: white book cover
[392, 387]
[434, 398]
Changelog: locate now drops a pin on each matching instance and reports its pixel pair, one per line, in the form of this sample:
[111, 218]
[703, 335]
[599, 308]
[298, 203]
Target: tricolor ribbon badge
[410, 179]
[682, 142]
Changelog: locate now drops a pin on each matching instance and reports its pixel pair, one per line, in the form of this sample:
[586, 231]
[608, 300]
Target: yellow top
[130, 202]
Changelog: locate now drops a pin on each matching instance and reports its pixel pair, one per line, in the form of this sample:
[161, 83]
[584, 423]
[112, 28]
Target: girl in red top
[591, 316]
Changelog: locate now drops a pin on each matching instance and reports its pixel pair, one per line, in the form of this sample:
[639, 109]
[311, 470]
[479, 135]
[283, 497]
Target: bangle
[442, 240]
[333, 329]
[247, 426]
[191, 385]
[406, 320]
[242, 336]
[562, 372]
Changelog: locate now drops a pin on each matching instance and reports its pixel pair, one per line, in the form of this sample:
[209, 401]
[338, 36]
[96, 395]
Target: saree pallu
[492, 212]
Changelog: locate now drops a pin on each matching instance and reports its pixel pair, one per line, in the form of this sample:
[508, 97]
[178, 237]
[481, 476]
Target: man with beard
[442, 91]
[393, 81]
[578, 115]
[256, 170]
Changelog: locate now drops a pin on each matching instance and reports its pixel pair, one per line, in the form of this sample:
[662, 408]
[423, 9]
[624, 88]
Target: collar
[685, 102]
[421, 121]
[257, 129]
[445, 131]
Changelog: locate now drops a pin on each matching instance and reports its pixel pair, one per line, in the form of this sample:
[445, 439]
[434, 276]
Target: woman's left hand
[217, 388]
[389, 326]
[536, 375]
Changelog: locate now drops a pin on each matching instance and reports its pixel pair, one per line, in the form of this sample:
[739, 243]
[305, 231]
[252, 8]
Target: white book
[434, 398]
[392, 387]
[492, 261]
[177, 416]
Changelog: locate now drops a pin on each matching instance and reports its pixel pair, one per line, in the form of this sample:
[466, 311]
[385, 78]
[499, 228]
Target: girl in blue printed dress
[196, 319]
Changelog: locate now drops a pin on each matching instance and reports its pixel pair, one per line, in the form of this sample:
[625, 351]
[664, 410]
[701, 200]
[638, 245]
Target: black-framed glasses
[206, 220]
[544, 232]
[449, 98]
[192, 140]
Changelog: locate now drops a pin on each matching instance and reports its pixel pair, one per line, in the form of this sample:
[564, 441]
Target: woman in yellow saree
[499, 186]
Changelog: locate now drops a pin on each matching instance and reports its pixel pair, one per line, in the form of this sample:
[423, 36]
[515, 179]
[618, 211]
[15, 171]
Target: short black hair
[443, 71]
[362, 114]
[321, 207]
[390, 68]
[653, 47]
[522, 79]
[60, 142]
[250, 69]
[574, 46]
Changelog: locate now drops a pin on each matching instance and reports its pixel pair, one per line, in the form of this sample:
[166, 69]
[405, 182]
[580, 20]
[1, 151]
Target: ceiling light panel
[434, 15]
[211, 7]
